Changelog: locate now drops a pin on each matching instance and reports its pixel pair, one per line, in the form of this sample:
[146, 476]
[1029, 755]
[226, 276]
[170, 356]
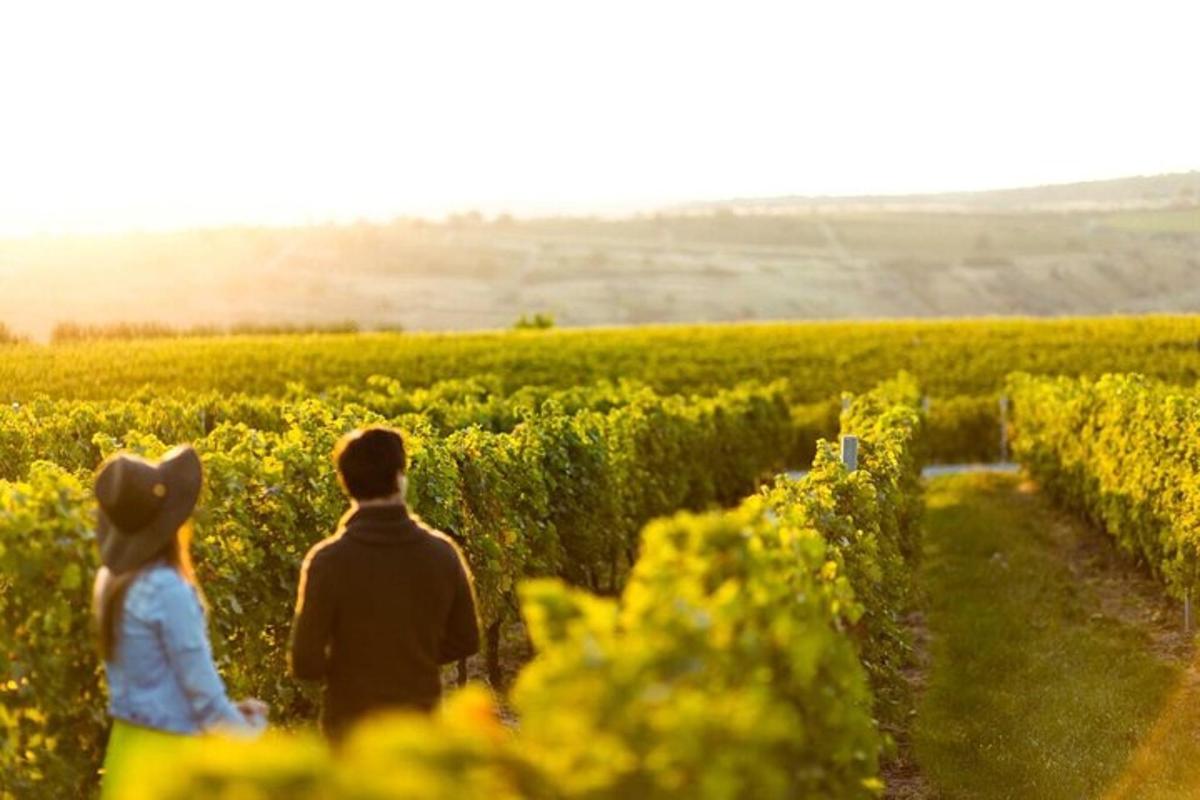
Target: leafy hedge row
[873, 520]
[559, 495]
[958, 429]
[1123, 451]
[731, 665]
[70, 432]
[962, 429]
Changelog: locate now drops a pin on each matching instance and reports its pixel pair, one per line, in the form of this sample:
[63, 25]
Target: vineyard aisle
[1056, 669]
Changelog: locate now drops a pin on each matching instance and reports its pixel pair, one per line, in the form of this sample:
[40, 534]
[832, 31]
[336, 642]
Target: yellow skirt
[128, 744]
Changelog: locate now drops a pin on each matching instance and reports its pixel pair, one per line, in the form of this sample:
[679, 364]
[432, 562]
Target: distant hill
[1180, 189]
[1126, 246]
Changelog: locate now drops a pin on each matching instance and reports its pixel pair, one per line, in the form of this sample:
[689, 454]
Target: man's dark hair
[368, 461]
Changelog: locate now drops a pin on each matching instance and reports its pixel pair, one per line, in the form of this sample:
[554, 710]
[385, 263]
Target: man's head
[371, 463]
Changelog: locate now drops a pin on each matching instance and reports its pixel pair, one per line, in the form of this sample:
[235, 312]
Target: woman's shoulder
[160, 576]
[156, 583]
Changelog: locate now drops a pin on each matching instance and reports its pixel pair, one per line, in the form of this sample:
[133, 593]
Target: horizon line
[570, 210]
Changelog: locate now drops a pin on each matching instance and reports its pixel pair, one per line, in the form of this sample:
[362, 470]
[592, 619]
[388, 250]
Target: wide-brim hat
[143, 504]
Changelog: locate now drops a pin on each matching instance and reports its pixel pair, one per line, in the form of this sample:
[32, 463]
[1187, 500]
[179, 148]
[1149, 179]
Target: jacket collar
[390, 524]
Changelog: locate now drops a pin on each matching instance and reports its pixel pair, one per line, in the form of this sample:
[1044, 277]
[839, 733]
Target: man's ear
[402, 486]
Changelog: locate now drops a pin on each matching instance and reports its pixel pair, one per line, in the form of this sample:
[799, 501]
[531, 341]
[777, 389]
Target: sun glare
[153, 116]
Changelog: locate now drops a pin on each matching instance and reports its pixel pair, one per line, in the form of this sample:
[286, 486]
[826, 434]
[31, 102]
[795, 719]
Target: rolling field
[1183, 221]
[875, 260]
[949, 358]
[961, 365]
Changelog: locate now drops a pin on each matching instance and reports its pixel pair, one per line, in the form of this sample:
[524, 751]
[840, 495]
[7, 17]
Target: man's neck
[378, 502]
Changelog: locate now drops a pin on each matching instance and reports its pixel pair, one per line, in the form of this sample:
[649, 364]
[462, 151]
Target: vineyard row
[750, 654]
[560, 494]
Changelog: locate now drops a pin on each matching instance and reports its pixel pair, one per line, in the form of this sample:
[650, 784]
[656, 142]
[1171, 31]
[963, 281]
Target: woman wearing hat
[150, 614]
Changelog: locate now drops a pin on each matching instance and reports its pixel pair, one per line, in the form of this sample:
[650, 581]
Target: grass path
[1056, 669]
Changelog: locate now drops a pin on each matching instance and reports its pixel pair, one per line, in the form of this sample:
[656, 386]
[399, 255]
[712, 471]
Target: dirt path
[903, 776]
[836, 246]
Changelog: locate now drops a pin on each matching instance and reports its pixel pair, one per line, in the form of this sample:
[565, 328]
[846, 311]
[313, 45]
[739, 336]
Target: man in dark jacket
[385, 601]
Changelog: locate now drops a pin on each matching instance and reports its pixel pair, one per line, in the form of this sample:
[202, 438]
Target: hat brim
[181, 473]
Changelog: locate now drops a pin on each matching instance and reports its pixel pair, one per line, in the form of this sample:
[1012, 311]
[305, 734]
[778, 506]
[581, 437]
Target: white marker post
[850, 452]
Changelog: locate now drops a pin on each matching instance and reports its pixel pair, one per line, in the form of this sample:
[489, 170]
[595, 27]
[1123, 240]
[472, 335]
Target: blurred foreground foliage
[737, 662]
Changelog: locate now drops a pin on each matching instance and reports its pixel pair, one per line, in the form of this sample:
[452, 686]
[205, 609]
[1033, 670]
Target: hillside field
[874, 258]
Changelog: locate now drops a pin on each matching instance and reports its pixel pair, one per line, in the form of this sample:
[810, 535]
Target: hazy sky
[125, 115]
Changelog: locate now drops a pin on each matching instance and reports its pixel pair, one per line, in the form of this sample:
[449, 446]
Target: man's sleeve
[313, 623]
[461, 637]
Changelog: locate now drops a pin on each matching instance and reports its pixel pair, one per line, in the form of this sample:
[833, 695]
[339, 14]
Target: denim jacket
[163, 676]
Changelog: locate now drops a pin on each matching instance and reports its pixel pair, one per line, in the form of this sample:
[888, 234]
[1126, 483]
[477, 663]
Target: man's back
[382, 605]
